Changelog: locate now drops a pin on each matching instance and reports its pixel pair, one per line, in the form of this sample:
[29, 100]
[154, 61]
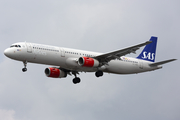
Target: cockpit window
[15, 46]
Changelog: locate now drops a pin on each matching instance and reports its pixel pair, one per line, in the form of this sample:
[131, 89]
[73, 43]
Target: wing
[105, 58]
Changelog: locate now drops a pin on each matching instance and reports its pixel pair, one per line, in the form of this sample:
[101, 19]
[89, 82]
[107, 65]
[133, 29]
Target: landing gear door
[62, 52]
[29, 48]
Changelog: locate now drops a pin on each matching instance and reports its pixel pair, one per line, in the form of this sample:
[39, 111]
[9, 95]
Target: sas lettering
[149, 55]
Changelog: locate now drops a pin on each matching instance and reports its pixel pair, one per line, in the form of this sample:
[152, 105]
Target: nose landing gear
[24, 69]
[25, 64]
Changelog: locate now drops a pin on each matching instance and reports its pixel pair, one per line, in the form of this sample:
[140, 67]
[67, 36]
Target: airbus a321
[72, 61]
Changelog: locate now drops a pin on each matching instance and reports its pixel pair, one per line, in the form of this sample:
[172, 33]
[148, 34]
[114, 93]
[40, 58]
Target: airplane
[73, 61]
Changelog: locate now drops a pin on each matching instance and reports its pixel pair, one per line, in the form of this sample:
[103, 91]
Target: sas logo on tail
[149, 55]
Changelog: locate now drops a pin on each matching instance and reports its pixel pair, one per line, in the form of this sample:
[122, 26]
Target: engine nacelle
[88, 62]
[55, 73]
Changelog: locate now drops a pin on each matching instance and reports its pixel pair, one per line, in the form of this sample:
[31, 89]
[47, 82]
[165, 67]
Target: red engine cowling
[55, 73]
[88, 62]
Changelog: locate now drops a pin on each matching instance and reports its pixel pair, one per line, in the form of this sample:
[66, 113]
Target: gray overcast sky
[95, 25]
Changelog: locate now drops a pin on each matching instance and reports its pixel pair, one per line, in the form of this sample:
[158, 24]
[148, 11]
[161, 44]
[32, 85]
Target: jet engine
[88, 62]
[55, 73]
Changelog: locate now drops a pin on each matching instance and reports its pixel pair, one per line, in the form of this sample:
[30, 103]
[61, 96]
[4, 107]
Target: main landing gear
[99, 73]
[25, 64]
[76, 79]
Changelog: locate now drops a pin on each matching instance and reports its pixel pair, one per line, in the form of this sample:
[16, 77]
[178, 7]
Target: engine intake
[55, 73]
[88, 62]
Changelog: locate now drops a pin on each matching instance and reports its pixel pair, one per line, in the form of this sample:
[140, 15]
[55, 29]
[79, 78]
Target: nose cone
[7, 52]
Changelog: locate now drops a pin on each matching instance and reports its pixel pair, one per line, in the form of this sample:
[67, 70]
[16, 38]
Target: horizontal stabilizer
[162, 62]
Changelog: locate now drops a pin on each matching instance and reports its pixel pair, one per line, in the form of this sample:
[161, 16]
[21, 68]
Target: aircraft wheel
[99, 73]
[24, 69]
[76, 80]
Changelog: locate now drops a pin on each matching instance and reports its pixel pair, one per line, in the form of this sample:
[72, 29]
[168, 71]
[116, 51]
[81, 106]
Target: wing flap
[162, 62]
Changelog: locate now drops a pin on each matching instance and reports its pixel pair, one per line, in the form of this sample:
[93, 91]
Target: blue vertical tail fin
[149, 52]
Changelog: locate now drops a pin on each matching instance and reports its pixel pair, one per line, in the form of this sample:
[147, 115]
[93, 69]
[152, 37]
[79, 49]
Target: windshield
[15, 46]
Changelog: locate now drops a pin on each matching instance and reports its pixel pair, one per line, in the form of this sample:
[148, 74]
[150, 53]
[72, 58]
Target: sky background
[94, 25]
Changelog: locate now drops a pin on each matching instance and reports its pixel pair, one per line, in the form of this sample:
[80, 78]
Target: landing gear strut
[99, 73]
[76, 79]
[25, 64]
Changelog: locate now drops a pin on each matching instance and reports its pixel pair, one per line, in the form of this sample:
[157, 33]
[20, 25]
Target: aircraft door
[140, 64]
[62, 52]
[29, 48]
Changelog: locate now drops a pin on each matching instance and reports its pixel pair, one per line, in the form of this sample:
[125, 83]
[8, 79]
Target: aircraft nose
[7, 52]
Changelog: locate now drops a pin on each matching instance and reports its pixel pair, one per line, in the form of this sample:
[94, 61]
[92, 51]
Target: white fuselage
[67, 58]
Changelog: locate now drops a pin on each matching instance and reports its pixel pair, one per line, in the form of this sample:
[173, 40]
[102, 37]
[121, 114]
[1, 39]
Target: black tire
[24, 69]
[76, 80]
[99, 73]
